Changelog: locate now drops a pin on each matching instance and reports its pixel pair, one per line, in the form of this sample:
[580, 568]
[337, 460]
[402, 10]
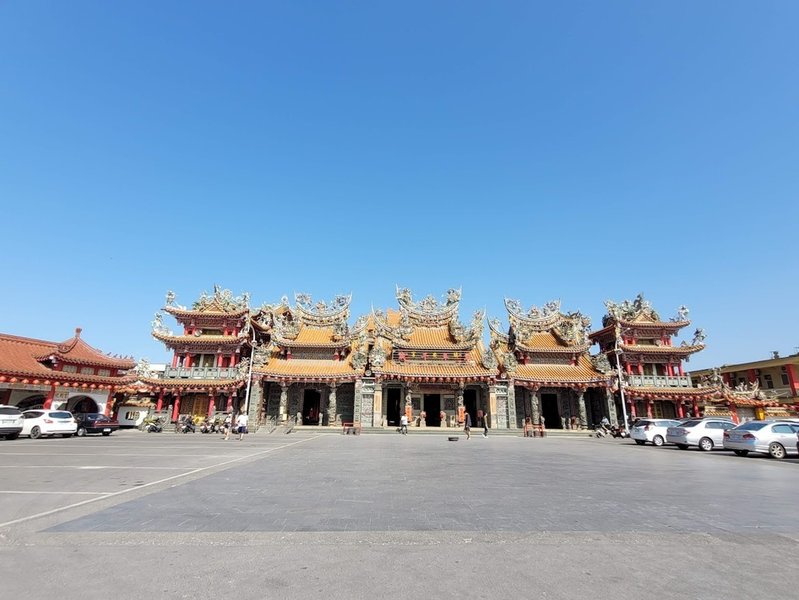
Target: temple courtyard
[318, 514]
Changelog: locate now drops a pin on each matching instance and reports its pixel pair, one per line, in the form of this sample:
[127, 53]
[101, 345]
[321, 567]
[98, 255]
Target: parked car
[39, 422]
[95, 423]
[10, 422]
[706, 434]
[652, 430]
[775, 438]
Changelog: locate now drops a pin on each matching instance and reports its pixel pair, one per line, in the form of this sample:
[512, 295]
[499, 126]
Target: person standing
[485, 425]
[404, 424]
[241, 423]
[467, 425]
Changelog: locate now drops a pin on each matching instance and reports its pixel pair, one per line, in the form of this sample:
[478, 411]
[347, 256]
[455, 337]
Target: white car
[39, 422]
[775, 438]
[652, 431]
[707, 433]
[10, 422]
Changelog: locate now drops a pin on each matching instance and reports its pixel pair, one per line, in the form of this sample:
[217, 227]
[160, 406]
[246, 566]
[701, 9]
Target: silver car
[706, 434]
[777, 439]
[652, 430]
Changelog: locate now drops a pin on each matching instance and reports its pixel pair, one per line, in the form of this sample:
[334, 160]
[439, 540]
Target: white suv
[10, 422]
[707, 433]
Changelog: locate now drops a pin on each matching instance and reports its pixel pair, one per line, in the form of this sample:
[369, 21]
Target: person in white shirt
[404, 424]
[241, 424]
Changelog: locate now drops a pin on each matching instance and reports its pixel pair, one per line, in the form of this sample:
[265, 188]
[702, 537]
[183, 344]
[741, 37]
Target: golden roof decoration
[221, 302]
[429, 312]
[321, 313]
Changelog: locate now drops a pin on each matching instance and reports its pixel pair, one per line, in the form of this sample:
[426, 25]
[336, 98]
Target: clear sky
[536, 150]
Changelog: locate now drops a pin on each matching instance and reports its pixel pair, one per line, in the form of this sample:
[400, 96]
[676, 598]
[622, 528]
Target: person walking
[467, 425]
[228, 425]
[404, 424]
[241, 424]
[485, 425]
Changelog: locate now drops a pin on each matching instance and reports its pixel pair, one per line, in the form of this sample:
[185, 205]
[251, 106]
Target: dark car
[95, 423]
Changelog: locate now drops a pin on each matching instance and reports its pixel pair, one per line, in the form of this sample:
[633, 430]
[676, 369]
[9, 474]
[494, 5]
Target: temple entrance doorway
[82, 404]
[470, 404]
[393, 399]
[549, 409]
[311, 400]
[432, 406]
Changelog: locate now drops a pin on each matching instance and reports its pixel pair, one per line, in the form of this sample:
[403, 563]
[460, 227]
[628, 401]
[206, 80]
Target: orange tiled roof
[470, 369]
[184, 313]
[582, 372]
[547, 341]
[643, 348]
[673, 393]
[307, 369]
[19, 359]
[315, 337]
[192, 384]
[216, 340]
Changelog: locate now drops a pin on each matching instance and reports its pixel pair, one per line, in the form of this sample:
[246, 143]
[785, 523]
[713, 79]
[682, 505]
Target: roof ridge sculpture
[221, 301]
[640, 310]
[429, 312]
[322, 314]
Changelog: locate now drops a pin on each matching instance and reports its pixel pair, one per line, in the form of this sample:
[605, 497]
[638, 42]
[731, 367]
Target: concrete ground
[319, 515]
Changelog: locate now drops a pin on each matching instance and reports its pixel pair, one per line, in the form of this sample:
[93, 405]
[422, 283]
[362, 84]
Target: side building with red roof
[69, 375]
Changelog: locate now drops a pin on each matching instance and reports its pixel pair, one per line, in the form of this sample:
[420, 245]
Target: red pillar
[219, 361]
[632, 410]
[669, 370]
[629, 368]
[679, 366]
[791, 378]
[649, 405]
[176, 408]
[734, 412]
[212, 406]
[680, 412]
[160, 405]
[187, 361]
[49, 402]
[229, 402]
[696, 409]
[175, 360]
[109, 403]
[233, 360]
[752, 375]
[640, 368]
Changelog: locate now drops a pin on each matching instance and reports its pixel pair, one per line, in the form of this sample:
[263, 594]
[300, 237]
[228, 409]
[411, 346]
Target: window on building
[784, 376]
[70, 369]
[87, 370]
[104, 372]
[769, 382]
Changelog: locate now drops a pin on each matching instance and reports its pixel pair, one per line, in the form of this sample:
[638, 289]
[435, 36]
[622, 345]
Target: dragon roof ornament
[321, 313]
[474, 332]
[220, 301]
[397, 334]
[633, 310]
[429, 312]
[535, 319]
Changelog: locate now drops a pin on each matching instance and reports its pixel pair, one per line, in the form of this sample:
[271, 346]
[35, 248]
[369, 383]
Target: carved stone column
[535, 406]
[581, 408]
[284, 402]
[331, 405]
[611, 407]
[377, 415]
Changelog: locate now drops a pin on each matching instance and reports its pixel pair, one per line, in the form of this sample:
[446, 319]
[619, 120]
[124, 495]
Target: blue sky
[572, 150]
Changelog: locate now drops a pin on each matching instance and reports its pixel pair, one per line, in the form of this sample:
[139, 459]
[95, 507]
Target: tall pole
[617, 352]
[249, 374]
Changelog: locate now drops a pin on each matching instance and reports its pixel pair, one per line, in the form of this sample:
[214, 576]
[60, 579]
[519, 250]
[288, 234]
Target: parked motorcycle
[618, 432]
[186, 426]
[153, 425]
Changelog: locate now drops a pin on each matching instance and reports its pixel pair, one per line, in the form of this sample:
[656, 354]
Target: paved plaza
[323, 515]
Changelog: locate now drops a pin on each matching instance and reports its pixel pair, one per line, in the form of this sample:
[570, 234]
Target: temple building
[544, 357]
[635, 339]
[205, 375]
[425, 363]
[69, 375]
[308, 362]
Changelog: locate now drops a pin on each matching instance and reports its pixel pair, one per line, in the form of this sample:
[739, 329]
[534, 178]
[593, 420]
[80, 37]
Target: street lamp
[617, 351]
[249, 374]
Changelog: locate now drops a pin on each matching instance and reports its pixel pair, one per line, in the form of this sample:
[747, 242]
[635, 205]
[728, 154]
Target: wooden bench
[353, 427]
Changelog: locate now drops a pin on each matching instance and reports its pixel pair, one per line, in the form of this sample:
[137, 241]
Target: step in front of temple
[442, 431]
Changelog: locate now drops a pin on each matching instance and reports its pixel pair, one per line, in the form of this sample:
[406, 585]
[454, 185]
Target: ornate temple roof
[541, 334]
[219, 305]
[426, 341]
[200, 340]
[153, 384]
[311, 341]
[29, 360]
[638, 314]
